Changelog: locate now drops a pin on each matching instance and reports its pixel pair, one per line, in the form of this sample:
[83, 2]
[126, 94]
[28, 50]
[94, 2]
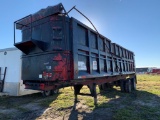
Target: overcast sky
[134, 24]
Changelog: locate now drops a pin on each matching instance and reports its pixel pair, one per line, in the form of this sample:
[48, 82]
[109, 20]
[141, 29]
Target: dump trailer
[60, 51]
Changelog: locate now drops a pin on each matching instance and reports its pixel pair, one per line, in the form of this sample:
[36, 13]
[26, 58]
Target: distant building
[148, 70]
[10, 59]
[142, 70]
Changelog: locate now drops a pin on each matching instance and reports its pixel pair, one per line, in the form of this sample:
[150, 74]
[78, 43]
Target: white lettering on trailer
[94, 65]
[81, 65]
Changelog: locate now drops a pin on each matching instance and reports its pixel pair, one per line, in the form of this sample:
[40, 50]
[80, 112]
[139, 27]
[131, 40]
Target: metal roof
[8, 49]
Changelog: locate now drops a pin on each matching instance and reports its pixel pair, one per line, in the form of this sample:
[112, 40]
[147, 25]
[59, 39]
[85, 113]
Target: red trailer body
[155, 71]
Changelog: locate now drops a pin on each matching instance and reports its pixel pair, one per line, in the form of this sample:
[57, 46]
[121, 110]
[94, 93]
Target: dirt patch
[79, 111]
[72, 112]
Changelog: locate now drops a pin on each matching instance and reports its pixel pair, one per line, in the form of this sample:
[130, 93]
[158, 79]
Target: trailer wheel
[133, 81]
[46, 93]
[122, 85]
[100, 88]
[104, 86]
[56, 91]
[128, 86]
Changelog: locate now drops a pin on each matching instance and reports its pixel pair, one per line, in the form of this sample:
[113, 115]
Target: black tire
[46, 93]
[104, 86]
[56, 91]
[133, 83]
[122, 85]
[128, 86]
[100, 88]
[109, 85]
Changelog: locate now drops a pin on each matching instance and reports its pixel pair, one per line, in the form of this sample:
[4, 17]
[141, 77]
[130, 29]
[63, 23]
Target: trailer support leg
[77, 89]
[93, 92]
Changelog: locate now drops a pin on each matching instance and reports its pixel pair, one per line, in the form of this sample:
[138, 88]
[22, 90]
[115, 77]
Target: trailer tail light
[46, 75]
[42, 86]
[49, 74]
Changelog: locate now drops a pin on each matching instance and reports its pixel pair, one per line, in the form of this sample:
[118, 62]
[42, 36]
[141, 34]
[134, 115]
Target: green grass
[149, 83]
[137, 113]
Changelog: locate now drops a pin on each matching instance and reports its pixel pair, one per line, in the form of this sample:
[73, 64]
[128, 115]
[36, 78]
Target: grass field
[142, 104]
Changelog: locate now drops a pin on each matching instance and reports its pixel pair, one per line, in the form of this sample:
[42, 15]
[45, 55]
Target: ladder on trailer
[2, 80]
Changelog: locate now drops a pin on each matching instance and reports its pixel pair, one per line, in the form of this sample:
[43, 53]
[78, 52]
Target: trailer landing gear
[92, 89]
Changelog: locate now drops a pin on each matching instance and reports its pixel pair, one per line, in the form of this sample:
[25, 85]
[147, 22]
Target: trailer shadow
[135, 105]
